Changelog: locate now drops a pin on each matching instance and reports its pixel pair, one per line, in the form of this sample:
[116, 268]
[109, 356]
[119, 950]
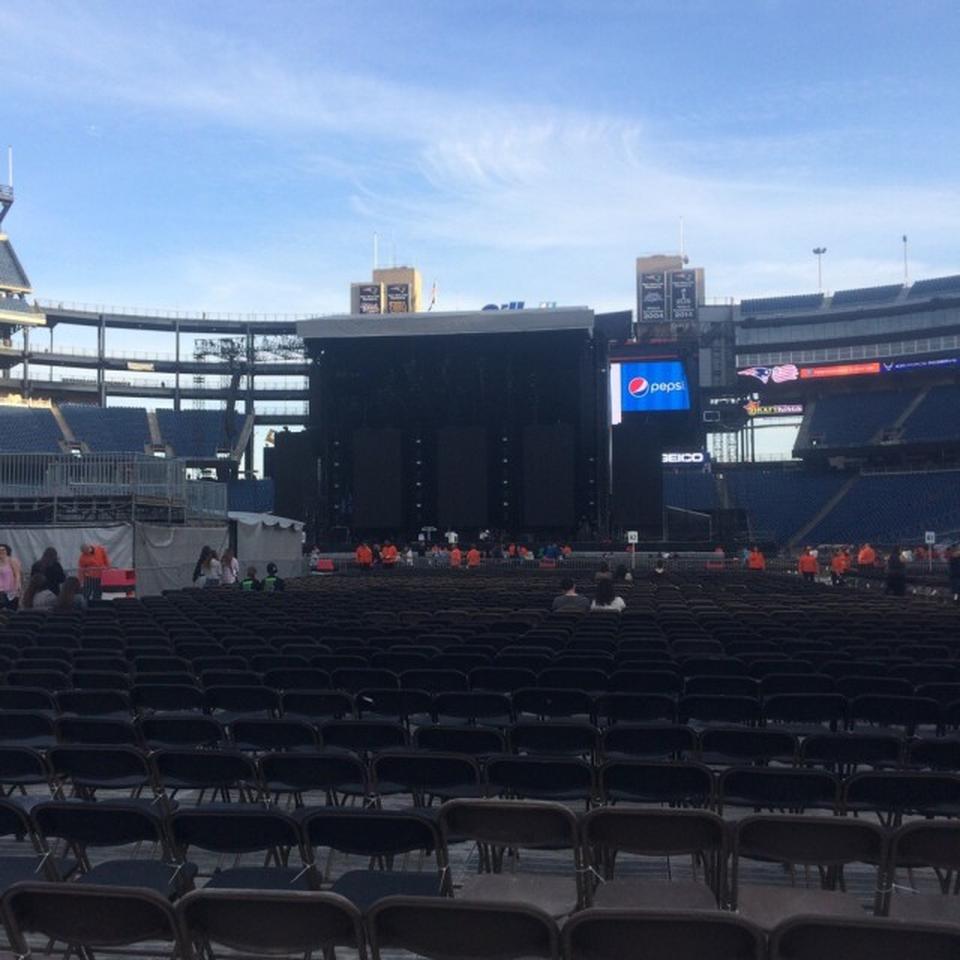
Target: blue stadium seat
[868, 294]
[937, 418]
[196, 434]
[890, 507]
[803, 301]
[690, 490]
[28, 430]
[251, 496]
[779, 503]
[108, 429]
[845, 420]
[935, 285]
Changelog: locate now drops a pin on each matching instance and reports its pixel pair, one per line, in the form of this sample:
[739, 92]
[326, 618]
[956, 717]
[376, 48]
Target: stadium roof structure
[447, 324]
[14, 283]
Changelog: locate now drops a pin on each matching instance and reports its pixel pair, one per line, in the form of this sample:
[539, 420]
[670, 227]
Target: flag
[761, 373]
[785, 373]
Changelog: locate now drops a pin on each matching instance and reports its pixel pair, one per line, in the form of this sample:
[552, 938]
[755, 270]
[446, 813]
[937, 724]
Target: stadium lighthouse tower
[15, 287]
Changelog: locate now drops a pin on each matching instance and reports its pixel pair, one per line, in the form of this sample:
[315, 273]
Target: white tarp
[28, 544]
[263, 538]
[166, 555]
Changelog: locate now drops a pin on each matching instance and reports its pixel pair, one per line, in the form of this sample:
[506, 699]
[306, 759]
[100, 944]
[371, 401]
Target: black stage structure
[488, 420]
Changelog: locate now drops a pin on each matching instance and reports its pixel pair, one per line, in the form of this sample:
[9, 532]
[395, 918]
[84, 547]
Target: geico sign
[682, 457]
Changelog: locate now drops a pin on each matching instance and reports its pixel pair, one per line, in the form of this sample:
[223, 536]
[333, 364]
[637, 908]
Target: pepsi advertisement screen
[653, 385]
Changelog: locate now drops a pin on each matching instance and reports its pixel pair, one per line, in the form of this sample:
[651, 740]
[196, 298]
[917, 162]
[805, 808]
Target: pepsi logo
[638, 387]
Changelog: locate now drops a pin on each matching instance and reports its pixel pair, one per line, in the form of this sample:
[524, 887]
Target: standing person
[229, 568]
[48, 567]
[605, 599]
[807, 565]
[756, 560]
[867, 557]
[896, 573]
[364, 556]
[569, 599]
[71, 596]
[388, 554]
[839, 564]
[211, 571]
[200, 564]
[271, 582]
[90, 567]
[473, 557]
[953, 568]
[456, 557]
[9, 578]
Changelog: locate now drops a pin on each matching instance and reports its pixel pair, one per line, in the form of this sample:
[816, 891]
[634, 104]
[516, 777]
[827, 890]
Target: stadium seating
[937, 418]
[803, 301]
[845, 420]
[108, 429]
[934, 286]
[251, 496]
[32, 430]
[892, 507]
[867, 295]
[778, 502]
[690, 490]
[196, 434]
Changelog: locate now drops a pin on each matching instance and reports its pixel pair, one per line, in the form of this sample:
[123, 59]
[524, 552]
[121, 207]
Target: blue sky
[240, 156]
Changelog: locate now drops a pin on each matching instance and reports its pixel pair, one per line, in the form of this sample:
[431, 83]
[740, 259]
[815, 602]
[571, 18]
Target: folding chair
[676, 784]
[603, 934]
[826, 843]
[382, 835]
[609, 831]
[87, 917]
[90, 769]
[649, 741]
[777, 788]
[893, 795]
[474, 741]
[816, 938]
[515, 825]
[244, 829]
[426, 776]
[268, 922]
[461, 930]
[85, 826]
[927, 844]
[37, 864]
[565, 779]
[219, 771]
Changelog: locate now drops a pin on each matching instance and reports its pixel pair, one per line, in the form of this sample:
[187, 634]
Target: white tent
[263, 538]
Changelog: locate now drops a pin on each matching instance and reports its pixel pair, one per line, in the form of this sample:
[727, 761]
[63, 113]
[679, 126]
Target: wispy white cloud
[463, 177]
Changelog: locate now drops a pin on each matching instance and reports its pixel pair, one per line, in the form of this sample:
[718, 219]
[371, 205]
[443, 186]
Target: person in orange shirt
[90, 566]
[364, 557]
[473, 557]
[388, 554]
[867, 557]
[807, 565]
[756, 560]
[567, 551]
[839, 564]
[455, 556]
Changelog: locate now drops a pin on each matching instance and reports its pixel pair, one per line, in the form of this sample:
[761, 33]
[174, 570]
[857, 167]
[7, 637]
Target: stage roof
[351, 326]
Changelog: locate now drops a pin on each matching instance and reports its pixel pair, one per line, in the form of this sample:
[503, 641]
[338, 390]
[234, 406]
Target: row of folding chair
[586, 876]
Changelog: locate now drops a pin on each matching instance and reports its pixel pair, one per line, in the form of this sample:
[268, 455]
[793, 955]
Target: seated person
[569, 599]
[250, 581]
[605, 600]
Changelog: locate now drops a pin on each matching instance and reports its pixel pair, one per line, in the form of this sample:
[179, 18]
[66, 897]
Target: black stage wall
[499, 430]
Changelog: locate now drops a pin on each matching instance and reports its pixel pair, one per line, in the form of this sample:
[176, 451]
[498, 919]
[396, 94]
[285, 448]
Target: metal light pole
[818, 252]
[906, 275]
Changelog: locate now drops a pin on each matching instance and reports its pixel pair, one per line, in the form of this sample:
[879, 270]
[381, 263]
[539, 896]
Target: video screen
[647, 385]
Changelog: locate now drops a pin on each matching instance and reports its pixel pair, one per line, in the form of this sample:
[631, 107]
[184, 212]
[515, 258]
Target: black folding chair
[338, 775]
[461, 930]
[826, 843]
[268, 922]
[242, 829]
[677, 784]
[382, 835]
[925, 845]
[426, 776]
[87, 917]
[663, 834]
[777, 788]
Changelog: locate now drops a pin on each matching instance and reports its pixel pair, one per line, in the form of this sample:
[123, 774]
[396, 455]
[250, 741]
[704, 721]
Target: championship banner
[653, 297]
[683, 295]
[370, 298]
[398, 298]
